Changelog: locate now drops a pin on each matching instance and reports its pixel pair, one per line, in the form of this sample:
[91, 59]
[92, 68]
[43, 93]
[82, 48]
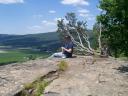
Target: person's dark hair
[67, 38]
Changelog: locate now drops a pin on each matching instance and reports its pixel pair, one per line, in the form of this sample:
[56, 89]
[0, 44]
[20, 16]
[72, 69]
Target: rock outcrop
[99, 77]
[14, 76]
[85, 76]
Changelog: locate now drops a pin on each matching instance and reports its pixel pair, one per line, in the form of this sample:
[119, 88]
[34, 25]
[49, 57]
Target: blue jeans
[58, 55]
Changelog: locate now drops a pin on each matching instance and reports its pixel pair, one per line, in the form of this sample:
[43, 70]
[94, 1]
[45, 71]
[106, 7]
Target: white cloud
[87, 16]
[11, 1]
[35, 28]
[75, 2]
[84, 15]
[84, 11]
[91, 18]
[56, 19]
[47, 23]
[52, 11]
[99, 9]
[44, 26]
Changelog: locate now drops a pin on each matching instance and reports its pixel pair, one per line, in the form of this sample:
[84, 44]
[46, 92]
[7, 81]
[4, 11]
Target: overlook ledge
[85, 76]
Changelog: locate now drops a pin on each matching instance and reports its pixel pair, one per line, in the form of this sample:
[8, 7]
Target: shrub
[28, 86]
[40, 86]
[63, 66]
[37, 88]
[31, 57]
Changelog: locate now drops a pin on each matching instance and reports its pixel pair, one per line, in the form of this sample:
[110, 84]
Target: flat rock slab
[84, 78]
[14, 76]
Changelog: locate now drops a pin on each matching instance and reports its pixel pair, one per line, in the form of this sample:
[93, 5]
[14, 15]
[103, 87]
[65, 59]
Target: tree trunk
[99, 39]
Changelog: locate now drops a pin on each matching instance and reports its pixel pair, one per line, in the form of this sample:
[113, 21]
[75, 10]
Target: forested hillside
[42, 40]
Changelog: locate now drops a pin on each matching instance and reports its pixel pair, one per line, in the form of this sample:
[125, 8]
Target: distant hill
[43, 41]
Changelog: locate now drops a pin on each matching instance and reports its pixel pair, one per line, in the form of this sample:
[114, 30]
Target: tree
[115, 20]
[77, 30]
[97, 30]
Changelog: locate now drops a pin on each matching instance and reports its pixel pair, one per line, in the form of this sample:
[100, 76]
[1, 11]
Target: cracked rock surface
[85, 76]
[88, 76]
[14, 76]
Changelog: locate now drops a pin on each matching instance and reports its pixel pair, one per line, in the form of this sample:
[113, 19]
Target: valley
[21, 48]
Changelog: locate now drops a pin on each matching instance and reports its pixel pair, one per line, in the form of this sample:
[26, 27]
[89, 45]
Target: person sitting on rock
[67, 49]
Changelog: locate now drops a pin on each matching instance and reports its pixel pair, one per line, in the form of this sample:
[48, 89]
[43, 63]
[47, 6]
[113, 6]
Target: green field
[13, 56]
[20, 48]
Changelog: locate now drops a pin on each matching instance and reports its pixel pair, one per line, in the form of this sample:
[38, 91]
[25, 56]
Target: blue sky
[39, 16]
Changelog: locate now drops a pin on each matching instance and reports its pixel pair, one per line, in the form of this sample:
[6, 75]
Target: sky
[40, 16]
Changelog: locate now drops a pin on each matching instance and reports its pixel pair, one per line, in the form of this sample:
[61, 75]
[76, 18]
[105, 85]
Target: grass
[63, 65]
[13, 56]
[40, 86]
[36, 87]
[124, 58]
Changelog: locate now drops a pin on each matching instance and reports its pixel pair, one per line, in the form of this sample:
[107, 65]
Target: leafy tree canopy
[114, 18]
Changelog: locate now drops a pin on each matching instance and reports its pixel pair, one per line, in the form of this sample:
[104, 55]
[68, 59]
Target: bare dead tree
[97, 29]
[102, 44]
[99, 38]
[77, 31]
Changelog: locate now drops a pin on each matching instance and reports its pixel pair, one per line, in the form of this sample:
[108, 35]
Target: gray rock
[83, 79]
[14, 76]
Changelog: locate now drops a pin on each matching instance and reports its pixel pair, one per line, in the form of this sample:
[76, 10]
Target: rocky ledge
[85, 76]
[90, 76]
[14, 76]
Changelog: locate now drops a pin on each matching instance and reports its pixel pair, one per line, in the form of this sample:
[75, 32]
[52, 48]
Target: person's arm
[68, 50]
[62, 49]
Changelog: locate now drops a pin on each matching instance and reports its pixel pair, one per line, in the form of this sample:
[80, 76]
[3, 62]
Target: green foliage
[31, 57]
[40, 86]
[36, 87]
[11, 57]
[114, 18]
[28, 86]
[63, 66]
